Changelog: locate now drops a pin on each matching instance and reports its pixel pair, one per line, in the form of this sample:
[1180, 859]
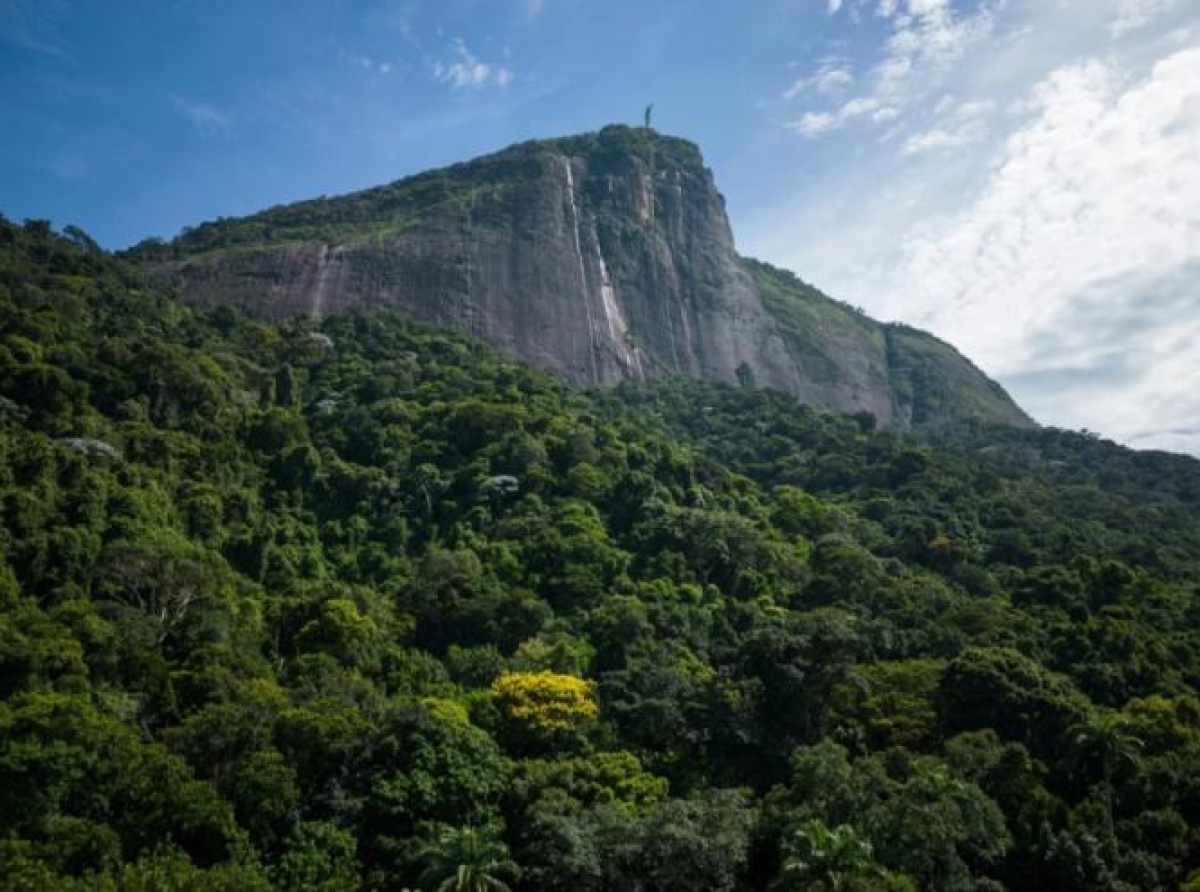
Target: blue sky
[1022, 177]
[136, 118]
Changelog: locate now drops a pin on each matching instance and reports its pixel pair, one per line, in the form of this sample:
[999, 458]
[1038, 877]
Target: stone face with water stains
[603, 257]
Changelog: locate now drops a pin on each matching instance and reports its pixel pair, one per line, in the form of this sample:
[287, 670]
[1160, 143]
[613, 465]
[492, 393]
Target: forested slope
[371, 606]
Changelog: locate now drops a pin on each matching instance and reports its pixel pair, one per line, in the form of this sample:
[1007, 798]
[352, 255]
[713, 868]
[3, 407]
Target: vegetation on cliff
[371, 606]
[385, 209]
[929, 383]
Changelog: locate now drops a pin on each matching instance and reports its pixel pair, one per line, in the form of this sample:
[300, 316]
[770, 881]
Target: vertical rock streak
[583, 283]
[618, 328]
[469, 314]
[321, 286]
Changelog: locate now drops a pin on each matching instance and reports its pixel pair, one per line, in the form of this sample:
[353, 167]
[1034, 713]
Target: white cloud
[1073, 270]
[834, 6]
[965, 125]
[975, 110]
[812, 124]
[832, 76]
[1135, 14]
[464, 70]
[372, 65]
[207, 120]
[939, 139]
[928, 38]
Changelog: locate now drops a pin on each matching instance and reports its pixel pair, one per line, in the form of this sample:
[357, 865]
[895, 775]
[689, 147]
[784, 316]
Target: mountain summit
[603, 257]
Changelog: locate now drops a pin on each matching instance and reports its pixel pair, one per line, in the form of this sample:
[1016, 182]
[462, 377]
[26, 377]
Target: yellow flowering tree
[545, 704]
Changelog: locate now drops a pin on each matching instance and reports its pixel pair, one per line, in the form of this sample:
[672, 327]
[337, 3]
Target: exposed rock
[92, 448]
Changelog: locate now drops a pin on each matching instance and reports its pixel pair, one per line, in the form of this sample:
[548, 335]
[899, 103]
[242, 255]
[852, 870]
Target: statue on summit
[649, 112]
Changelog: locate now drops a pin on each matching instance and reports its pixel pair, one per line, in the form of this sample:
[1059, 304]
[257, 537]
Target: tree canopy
[365, 605]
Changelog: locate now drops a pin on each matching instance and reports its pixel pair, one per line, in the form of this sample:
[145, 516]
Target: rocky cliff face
[603, 257]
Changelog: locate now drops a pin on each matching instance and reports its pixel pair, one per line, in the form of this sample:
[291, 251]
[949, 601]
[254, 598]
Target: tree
[1105, 736]
[1001, 688]
[428, 482]
[428, 765]
[698, 844]
[892, 702]
[690, 845]
[342, 631]
[545, 711]
[829, 860]
[162, 580]
[319, 857]
[546, 703]
[466, 859]
[921, 819]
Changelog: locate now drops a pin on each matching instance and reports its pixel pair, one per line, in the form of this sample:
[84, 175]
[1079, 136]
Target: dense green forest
[364, 605]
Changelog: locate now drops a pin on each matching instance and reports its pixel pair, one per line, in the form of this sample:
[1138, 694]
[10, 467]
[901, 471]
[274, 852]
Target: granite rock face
[602, 257]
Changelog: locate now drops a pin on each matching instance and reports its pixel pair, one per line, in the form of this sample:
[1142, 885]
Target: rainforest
[360, 604]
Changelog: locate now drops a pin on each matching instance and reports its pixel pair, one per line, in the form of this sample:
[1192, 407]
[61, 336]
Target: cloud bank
[1023, 179]
[1078, 263]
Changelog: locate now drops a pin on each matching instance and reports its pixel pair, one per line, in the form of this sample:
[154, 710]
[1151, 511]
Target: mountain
[603, 257]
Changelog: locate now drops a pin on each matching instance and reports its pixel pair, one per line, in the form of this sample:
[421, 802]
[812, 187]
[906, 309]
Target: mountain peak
[612, 151]
[615, 140]
[603, 256]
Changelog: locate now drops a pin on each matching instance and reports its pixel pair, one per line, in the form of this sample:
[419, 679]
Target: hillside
[357, 604]
[603, 257]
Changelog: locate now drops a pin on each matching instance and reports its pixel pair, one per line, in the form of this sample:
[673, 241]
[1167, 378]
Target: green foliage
[699, 843]
[832, 861]
[1002, 688]
[894, 702]
[929, 383]
[465, 859]
[473, 187]
[919, 818]
[371, 607]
